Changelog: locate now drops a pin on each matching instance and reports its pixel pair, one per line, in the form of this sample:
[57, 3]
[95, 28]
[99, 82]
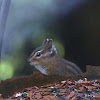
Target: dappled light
[6, 70]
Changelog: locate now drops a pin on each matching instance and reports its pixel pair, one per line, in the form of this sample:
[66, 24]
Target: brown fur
[52, 62]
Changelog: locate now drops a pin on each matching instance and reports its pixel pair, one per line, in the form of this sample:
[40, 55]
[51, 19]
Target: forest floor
[65, 90]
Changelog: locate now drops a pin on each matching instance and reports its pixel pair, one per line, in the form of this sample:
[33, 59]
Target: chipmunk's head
[42, 55]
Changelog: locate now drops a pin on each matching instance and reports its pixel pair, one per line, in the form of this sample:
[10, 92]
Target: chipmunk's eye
[38, 54]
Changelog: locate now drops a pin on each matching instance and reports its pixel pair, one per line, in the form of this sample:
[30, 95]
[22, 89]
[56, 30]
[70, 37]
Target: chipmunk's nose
[29, 60]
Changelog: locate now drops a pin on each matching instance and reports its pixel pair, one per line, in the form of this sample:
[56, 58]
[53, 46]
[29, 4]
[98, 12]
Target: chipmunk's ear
[48, 43]
[45, 42]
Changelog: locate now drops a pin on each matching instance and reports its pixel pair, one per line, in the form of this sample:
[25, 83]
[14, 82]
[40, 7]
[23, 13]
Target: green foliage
[6, 70]
[60, 48]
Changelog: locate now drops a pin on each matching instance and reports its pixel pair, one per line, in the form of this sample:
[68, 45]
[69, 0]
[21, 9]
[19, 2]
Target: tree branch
[3, 18]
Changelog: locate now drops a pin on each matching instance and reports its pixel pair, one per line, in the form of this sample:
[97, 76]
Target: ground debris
[65, 90]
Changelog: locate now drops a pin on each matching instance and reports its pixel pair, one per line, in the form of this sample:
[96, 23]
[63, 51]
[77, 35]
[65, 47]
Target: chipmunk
[47, 60]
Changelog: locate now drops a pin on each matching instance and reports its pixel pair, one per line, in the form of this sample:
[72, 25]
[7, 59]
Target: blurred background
[74, 26]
